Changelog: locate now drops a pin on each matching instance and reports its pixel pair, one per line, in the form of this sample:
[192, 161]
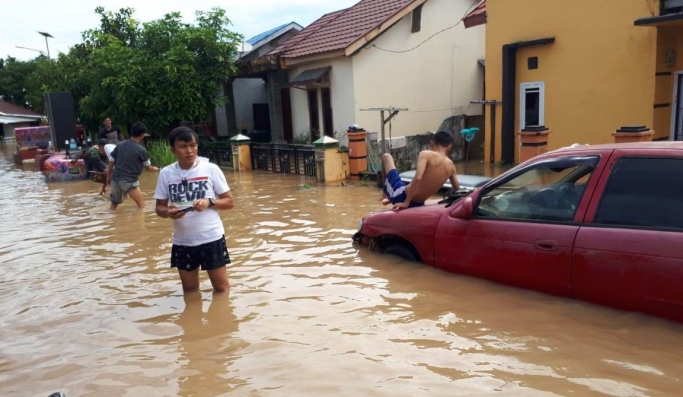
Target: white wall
[341, 92]
[248, 92]
[436, 80]
[221, 119]
[9, 128]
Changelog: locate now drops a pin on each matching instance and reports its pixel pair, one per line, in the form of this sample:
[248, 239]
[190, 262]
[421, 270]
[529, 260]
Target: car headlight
[360, 226]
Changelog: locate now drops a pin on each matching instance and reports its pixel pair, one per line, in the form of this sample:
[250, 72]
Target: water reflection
[206, 345]
[91, 307]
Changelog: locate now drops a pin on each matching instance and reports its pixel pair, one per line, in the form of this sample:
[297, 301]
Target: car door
[523, 226]
[629, 252]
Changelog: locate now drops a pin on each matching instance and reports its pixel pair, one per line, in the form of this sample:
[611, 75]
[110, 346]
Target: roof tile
[477, 16]
[338, 30]
[10, 108]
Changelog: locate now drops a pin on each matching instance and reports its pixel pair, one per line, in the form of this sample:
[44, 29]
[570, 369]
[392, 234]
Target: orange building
[580, 70]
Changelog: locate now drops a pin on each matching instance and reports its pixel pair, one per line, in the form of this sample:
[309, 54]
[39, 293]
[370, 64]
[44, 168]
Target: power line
[434, 35]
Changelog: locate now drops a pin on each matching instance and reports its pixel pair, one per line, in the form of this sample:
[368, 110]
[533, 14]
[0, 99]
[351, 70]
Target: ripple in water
[91, 307]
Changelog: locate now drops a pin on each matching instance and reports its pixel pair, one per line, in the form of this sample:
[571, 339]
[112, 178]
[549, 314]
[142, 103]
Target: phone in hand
[187, 209]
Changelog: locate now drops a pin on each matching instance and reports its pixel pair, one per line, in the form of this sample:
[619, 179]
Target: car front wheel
[402, 252]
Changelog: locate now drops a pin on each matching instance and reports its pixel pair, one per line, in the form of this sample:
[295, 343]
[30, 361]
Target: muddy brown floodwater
[90, 307]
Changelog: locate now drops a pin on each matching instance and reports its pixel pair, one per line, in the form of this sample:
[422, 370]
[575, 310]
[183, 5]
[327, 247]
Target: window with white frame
[531, 104]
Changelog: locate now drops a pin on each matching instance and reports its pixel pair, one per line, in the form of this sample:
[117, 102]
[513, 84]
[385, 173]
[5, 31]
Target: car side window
[644, 192]
[547, 192]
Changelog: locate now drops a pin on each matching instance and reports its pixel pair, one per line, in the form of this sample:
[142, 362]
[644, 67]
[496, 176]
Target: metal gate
[217, 152]
[284, 158]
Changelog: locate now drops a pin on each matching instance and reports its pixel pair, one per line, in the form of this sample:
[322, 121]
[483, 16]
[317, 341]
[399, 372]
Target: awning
[308, 77]
[663, 20]
[14, 120]
[477, 16]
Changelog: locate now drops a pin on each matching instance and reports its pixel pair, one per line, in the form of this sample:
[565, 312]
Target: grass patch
[160, 153]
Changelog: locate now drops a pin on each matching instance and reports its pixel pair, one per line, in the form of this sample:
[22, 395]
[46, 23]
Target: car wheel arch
[387, 242]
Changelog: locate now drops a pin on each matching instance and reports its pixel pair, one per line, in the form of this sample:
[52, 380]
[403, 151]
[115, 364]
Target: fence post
[241, 153]
[331, 167]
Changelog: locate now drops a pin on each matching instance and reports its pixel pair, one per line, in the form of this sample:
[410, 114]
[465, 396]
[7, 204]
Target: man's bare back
[433, 169]
[438, 168]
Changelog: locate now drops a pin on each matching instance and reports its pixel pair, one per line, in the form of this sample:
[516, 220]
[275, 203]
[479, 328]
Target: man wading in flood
[191, 192]
[433, 169]
[127, 161]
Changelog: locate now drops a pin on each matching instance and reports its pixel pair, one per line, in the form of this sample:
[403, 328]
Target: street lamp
[46, 35]
[31, 49]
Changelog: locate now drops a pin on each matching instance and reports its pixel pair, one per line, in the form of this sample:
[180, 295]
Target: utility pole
[46, 35]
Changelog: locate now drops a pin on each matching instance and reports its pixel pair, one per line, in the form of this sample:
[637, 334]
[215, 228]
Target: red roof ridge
[339, 30]
[9, 108]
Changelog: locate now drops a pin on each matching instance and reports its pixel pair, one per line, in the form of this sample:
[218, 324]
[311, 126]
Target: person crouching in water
[191, 192]
[95, 158]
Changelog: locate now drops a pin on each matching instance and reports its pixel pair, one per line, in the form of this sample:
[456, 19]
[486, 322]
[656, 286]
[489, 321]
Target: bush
[160, 153]
[302, 138]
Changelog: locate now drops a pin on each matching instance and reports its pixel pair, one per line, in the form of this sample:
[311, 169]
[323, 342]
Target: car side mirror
[465, 210]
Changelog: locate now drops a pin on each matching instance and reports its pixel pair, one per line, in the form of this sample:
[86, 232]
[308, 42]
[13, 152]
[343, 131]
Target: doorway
[261, 116]
[677, 113]
[326, 98]
[313, 114]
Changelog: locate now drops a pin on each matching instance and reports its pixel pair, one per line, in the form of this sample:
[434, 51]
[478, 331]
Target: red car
[600, 223]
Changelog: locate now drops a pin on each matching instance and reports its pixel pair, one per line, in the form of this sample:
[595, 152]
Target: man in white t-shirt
[191, 192]
[108, 148]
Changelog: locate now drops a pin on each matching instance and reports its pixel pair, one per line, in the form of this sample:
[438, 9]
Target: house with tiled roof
[13, 116]
[411, 54]
[579, 71]
[253, 92]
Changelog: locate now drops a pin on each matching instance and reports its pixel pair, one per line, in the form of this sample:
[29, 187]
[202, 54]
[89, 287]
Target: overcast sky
[65, 20]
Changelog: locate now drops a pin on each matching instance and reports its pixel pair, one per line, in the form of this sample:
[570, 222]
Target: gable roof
[306, 33]
[342, 29]
[262, 36]
[477, 16]
[7, 108]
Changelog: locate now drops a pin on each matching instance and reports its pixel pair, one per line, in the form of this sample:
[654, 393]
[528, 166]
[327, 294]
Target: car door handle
[548, 245]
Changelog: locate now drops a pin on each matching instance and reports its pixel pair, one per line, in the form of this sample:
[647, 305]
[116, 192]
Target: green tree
[160, 72]
[14, 77]
[64, 74]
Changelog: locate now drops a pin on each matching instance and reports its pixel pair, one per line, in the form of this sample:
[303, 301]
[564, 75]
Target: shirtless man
[433, 169]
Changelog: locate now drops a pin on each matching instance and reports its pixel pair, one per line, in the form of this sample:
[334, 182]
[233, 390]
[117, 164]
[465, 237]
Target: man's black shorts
[209, 256]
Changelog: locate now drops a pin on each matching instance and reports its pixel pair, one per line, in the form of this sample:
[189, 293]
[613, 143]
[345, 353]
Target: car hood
[465, 181]
[420, 219]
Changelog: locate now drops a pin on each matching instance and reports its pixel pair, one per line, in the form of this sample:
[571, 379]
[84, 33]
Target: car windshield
[548, 192]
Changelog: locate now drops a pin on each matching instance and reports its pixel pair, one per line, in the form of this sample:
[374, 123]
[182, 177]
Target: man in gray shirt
[110, 132]
[129, 158]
